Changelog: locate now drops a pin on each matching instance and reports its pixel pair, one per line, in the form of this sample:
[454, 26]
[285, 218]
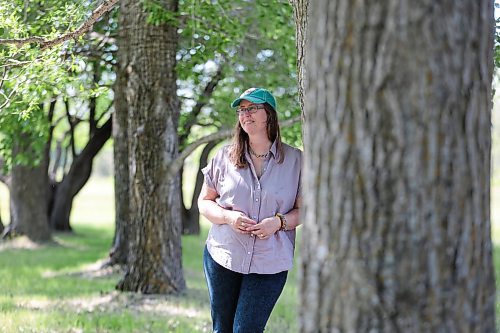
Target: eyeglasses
[251, 109]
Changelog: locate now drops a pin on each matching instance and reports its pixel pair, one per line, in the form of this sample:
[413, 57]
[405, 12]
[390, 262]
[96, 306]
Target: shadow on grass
[58, 287]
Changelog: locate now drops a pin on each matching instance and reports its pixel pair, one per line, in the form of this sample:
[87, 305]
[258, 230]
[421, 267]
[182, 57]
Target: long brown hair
[240, 139]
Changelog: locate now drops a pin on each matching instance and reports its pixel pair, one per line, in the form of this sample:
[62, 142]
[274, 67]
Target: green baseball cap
[256, 95]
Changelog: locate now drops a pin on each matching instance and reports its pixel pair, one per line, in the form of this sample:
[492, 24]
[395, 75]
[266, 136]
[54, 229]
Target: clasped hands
[245, 225]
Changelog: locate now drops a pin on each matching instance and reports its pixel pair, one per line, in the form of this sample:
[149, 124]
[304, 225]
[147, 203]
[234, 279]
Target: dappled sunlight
[162, 305]
[87, 271]
[24, 243]
[19, 243]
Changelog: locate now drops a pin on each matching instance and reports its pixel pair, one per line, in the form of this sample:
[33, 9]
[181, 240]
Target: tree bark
[300, 12]
[119, 251]
[191, 216]
[77, 177]
[397, 168]
[6, 180]
[1, 224]
[29, 189]
[155, 260]
[28, 196]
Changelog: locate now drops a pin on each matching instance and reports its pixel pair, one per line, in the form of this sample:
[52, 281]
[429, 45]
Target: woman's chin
[252, 130]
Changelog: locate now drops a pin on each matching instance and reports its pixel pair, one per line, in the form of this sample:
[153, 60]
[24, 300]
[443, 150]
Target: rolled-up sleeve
[299, 189]
[212, 171]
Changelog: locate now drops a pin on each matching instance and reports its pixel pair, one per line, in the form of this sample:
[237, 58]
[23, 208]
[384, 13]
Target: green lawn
[58, 288]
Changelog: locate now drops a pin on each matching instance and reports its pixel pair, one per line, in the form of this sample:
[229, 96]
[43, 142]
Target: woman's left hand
[266, 228]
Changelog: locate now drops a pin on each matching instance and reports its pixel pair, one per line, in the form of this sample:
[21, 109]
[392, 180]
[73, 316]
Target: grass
[58, 288]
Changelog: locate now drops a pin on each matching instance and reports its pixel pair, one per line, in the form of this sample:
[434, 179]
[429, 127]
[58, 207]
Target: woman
[251, 196]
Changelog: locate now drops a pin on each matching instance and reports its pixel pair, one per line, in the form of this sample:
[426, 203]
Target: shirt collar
[273, 150]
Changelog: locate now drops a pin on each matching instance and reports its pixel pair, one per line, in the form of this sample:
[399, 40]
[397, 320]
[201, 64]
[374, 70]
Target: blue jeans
[240, 303]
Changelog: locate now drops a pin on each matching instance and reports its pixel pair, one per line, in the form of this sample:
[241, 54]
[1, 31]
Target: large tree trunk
[119, 251]
[28, 197]
[29, 189]
[300, 9]
[191, 216]
[3, 179]
[6, 180]
[1, 223]
[155, 261]
[76, 178]
[397, 168]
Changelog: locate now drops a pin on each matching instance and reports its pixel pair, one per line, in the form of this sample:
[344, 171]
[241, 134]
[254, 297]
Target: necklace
[257, 155]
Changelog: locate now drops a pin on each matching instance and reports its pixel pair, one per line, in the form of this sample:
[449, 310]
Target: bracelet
[282, 220]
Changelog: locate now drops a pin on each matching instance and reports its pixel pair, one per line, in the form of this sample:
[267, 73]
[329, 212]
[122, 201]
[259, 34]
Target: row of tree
[203, 62]
[206, 59]
[396, 110]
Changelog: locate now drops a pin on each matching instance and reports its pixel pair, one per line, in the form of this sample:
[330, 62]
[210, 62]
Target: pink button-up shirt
[241, 190]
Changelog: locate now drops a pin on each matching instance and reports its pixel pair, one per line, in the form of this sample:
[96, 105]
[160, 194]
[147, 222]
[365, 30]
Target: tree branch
[105, 112]
[7, 98]
[176, 164]
[4, 178]
[25, 10]
[202, 101]
[71, 128]
[82, 29]
[3, 78]
[22, 41]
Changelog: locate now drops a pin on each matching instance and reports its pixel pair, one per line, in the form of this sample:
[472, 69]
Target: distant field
[495, 212]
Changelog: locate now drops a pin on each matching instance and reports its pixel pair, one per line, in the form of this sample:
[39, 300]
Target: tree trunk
[191, 216]
[155, 261]
[119, 251]
[300, 9]
[184, 210]
[1, 223]
[28, 197]
[76, 178]
[6, 180]
[397, 168]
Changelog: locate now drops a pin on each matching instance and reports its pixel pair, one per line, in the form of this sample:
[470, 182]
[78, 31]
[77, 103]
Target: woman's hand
[238, 221]
[266, 228]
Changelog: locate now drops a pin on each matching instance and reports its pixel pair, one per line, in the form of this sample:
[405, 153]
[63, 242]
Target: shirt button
[256, 199]
[248, 252]
[251, 235]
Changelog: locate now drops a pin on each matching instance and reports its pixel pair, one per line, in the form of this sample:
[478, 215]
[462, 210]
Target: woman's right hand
[238, 221]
